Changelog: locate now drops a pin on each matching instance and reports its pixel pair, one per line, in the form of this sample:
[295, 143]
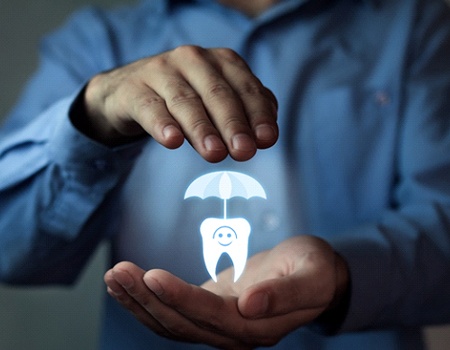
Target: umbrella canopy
[225, 185]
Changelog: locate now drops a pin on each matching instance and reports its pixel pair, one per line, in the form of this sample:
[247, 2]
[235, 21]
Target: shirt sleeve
[55, 183]
[400, 265]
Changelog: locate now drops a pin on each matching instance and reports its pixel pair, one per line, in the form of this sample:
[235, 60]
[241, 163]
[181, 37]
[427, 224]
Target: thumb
[285, 295]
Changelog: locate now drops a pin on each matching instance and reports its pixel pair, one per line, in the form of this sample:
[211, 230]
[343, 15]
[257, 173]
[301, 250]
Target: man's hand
[208, 96]
[281, 290]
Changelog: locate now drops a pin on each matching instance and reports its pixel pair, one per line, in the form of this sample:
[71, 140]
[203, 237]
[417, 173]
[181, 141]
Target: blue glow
[227, 235]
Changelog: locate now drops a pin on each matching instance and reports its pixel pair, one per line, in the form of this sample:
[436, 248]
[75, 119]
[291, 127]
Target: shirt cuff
[368, 257]
[85, 159]
[82, 173]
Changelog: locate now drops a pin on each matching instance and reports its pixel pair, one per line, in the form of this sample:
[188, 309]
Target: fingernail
[123, 278]
[265, 132]
[213, 143]
[114, 291]
[243, 142]
[171, 131]
[258, 304]
[154, 286]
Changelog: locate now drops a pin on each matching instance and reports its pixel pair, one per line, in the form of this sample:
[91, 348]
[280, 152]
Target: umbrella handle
[225, 209]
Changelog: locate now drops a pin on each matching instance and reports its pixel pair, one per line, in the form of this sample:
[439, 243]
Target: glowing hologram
[228, 236]
[225, 235]
[225, 185]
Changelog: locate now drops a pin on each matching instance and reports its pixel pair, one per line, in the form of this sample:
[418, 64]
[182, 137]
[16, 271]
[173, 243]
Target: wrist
[92, 124]
[333, 317]
[342, 283]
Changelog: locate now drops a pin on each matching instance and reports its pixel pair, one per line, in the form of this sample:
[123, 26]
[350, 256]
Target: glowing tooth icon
[228, 236]
[225, 235]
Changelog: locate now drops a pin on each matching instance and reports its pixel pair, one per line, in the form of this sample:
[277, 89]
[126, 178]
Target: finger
[150, 112]
[113, 288]
[223, 106]
[123, 285]
[125, 106]
[280, 296]
[180, 325]
[186, 107]
[220, 315]
[161, 318]
[259, 103]
[188, 299]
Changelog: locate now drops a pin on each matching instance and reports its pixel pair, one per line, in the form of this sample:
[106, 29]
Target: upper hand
[208, 96]
[281, 290]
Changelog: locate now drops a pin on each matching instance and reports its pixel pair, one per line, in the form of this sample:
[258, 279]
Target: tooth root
[211, 259]
[239, 259]
[211, 251]
[237, 250]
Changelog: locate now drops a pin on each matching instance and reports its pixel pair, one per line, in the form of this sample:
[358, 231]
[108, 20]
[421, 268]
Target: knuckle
[218, 90]
[199, 126]
[229, 55]
[149, 101]
[179, 93]
[144, 104]
[149, 65]
[156, 63]
[252, 89]
[183, 97]
[235, 124]
[189, 52]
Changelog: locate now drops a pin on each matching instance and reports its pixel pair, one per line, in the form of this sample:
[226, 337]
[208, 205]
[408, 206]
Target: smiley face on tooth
[225, 235]
[228, 236]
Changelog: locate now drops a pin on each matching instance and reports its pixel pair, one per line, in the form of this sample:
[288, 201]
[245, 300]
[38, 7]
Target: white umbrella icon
[225, 185]
[228, 236]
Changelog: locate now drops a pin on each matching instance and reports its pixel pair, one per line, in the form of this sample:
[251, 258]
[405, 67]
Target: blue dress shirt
[363, 159]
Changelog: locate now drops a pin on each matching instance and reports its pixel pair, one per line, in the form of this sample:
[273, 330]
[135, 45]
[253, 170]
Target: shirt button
[382, 98]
